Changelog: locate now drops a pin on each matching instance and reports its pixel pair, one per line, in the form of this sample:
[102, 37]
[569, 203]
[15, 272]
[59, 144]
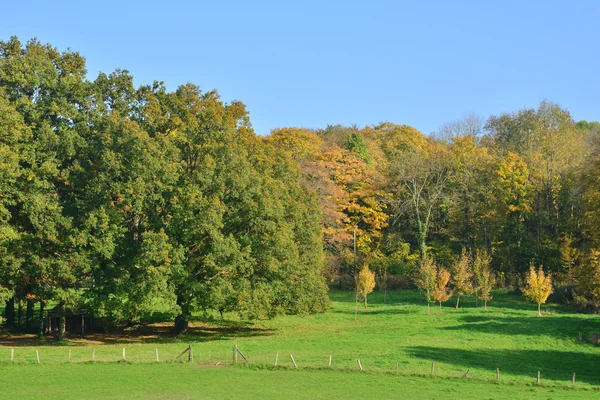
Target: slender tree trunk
[485, 305]
[9, 313]
[539, 309]
[29, 326]
[440, 306]
[427, 308]
[62, 321]
[20, 315]
[457, 301]
[421, 236]
[365, 301]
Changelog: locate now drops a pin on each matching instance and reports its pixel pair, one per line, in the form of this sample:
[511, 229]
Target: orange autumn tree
[441, 293]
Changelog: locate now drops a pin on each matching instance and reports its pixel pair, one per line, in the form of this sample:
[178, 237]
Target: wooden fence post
[190, 354]
[497, 374]
[93, 354]
[276, 358]
[69, 355]
[432, 368]
[156, 351]
[538, 378]
[124, 359]
[293, 361]
[359, 364]
[37, 355]
[330, 357]
[12, 355]
[573, 378]
[235, 355]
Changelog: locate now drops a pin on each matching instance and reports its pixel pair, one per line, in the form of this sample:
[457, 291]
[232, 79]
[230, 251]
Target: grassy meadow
[507, 336]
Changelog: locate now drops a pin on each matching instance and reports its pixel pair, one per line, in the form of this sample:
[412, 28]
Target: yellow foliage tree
[462, 271]
[425, 278]
[538, 286]
[441, 293]
[484, 276]
[365, 282]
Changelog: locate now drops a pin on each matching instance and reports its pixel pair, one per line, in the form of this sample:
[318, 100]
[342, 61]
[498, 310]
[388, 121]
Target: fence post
[538, 378]
[396, 367]
[359, 364]
[190, 354]
[69, 355]
[573, 378]
[12, 355]
[156, 351]
[293, 361]
[330, 357]
[235, 355]
[93, 354]
[432, 368]
[124, 359]
[37, 355]
[276, 358]
[497, 374]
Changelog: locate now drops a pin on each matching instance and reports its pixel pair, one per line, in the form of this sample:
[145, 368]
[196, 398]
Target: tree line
[519, 188]
[124, 198]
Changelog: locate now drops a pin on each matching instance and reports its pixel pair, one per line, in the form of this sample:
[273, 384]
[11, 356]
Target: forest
[120, 198]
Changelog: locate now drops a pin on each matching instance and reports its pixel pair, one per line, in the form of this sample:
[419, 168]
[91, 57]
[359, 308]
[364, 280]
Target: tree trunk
[539, 309]
[62, 321]
[427, 308]
[20, 316]
[440, 306]
[485, 305]
[183, 319]
[29, 325]
[365, 301]
[41, 319]
[457, 301]
[9, 313]
[421, 236]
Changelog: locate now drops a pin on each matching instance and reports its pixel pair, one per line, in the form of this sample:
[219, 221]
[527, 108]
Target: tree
[484, 276]
[365, 282]
[538, 286]
[587, 275]
[421, 177]
[462, 275]
[441, 293]
[425, 278]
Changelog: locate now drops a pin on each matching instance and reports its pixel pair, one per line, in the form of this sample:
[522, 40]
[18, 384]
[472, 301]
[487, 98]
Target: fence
[281, 360]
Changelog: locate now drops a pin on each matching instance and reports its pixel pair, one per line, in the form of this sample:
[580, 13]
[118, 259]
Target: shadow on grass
[149, 333]
[552, 364]
[557, 326]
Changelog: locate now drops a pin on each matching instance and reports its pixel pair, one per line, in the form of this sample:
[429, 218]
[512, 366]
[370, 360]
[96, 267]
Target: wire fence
[289, 360]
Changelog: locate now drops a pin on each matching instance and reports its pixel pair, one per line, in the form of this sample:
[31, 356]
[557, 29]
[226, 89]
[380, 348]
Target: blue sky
[312, 63]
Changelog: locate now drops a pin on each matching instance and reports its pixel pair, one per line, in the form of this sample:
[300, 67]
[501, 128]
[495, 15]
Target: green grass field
[508, 336]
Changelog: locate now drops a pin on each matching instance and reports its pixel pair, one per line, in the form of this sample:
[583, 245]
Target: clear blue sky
[312, 63]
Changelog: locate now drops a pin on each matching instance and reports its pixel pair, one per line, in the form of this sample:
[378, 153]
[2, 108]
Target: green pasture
[399, 332]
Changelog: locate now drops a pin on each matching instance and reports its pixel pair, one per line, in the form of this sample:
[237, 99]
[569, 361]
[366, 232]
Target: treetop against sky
[315, 63]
